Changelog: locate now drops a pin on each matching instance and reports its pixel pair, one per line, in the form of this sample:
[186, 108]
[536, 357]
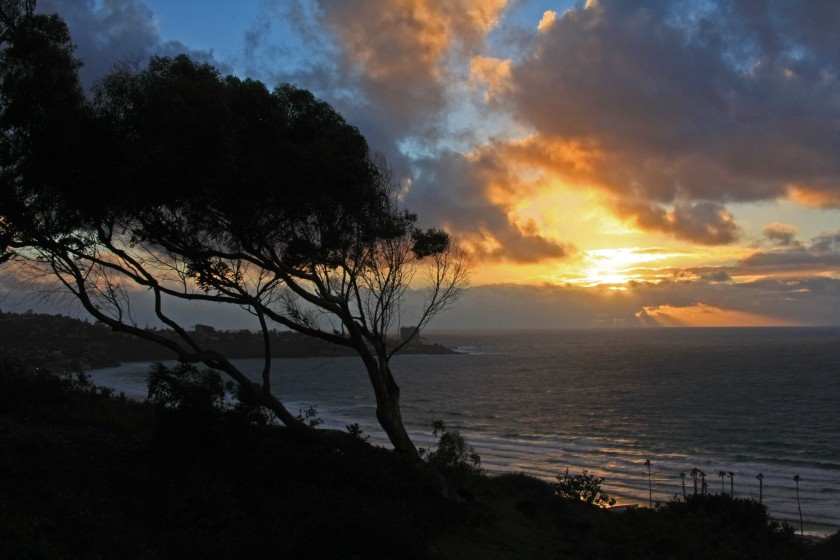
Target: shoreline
[544, 456]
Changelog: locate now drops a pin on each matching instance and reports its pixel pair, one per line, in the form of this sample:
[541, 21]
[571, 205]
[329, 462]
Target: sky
[606, 163]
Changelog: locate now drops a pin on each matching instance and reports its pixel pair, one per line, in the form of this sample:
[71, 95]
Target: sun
[615, 267]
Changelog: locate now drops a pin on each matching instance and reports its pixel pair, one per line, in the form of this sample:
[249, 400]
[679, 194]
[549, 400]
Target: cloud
[453, 190]
[702, 315]
[398, 71]
[501, 307]
[548, 19]
[116, 31]
[490, 74]
[399, 49]
[700, 222]
[686, 107]
[827, 243]
[814, 198]
[717, 276]
[672, 111]
[780, 234]
[819, 257]
[814, 301]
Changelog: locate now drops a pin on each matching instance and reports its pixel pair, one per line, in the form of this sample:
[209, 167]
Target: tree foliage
[583, 487]
[175, 182]
[186, 388]
[42, 115]
[452, 451]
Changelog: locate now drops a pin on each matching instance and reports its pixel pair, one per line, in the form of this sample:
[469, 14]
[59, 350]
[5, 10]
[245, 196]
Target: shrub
[583, 487]
[310, 417]
[452, 451]
[356, 431]
[246, 407]
[723, 511]
[186, 388]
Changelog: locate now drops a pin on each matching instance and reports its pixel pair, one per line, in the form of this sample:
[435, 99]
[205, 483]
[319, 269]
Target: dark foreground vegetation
[87, 474]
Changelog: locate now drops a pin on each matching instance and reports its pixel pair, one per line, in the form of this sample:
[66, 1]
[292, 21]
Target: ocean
[739, 400]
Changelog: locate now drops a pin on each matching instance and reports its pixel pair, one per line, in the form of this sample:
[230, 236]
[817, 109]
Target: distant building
[407, 332]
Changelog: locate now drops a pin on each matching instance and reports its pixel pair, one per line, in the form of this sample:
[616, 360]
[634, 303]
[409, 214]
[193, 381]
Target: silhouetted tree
[682, 478]
[731, 484]
[42, 114]
[650, 484]
[695, 472]
[211, 188]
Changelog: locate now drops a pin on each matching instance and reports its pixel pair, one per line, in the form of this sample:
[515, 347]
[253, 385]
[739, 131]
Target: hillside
[61, 344]
[84, 474]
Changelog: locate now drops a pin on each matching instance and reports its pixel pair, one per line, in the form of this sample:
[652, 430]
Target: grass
[87, 474]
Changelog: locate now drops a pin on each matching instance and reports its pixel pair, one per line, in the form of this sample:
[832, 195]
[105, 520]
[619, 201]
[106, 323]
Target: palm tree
[732, 484]
[722, 474]
[760, 478]
[682, 477]
[798, 506]
[694, 473]
[650, 485]
[703, 485]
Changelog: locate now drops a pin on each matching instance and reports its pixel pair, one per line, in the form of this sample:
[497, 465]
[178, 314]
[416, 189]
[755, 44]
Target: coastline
[541, 456]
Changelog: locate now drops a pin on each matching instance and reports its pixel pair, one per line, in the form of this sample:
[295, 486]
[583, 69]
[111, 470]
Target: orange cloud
[681, 127]
[400, 46]
[493, 74]
[814, 198]
[702, 315]
[571, 158]
[514, 170]
[475, 196]
[548, 19]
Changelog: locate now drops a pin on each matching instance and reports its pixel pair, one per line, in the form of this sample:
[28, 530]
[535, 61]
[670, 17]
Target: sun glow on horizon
[616, 267]
[702, 315]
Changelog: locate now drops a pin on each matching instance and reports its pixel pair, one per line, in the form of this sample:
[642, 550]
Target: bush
[193, 411]
[246, 408]
[186, 389]
[452, 451]
[711, 526]
[722, 512]
[310, 417]
[583, 487]
[357, 432]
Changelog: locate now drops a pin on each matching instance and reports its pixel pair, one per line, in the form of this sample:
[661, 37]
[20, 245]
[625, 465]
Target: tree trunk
[390, 417]
[388, 414]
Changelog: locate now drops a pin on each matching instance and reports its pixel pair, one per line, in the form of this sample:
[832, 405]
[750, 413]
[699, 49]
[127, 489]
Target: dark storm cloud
[800, 261]
[703, 222]
[821, 255]
[708, 103]
[114, 32]
[827, 243]
[717, 276]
